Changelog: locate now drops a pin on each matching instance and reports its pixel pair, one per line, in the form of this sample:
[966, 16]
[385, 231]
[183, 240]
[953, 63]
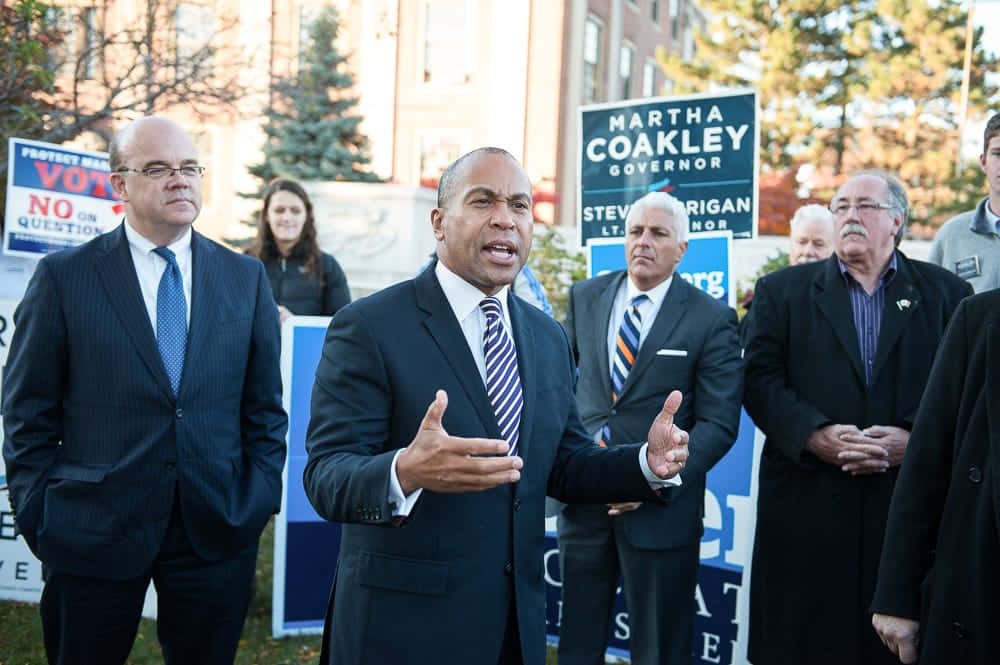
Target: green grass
[21, 629]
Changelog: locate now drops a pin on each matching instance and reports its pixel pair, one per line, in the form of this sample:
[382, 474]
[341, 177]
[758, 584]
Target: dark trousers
[659, 591]
[201, 607]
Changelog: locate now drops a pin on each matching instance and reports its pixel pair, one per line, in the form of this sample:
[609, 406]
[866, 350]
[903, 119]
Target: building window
[91, 42]
[591, 59]
[194, 29]
[436, 150]
[675, 18]
[446, 44]
[654, 10]
[648, 78]
[625, 70]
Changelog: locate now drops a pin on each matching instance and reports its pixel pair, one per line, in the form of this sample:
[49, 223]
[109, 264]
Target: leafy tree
[556, 265]
[62, 76]
[848, 85]
[311, 134]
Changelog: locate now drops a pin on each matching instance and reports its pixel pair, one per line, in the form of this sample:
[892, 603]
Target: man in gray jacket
[969, 244]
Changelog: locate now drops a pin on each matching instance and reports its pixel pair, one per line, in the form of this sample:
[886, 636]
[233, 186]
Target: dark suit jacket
[710, 377]
[942, 548]
[438, 589]
[819, 529]
[97, 445]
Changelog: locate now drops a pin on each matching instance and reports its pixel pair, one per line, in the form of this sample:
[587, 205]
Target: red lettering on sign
[63, 209]
[38, 205]
[75, 179]
[102, 182]
[48, 173]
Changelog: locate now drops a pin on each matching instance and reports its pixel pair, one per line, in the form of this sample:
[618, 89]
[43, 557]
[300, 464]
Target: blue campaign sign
[305, 545]
[707, 263]
[702, 149]
[56, 198]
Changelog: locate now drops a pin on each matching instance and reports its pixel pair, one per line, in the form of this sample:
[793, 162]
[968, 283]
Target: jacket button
[179, 413]
[975, 474]
[959, 630]
[517, 505]
[508, 568]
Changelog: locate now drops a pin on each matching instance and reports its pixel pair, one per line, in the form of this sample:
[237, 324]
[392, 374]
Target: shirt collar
[145, 246]
[884, 278]
[463, 297]
[655, 294]
[991, 217]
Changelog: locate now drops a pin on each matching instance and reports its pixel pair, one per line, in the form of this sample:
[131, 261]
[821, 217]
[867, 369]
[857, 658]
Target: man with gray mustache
[837, 356]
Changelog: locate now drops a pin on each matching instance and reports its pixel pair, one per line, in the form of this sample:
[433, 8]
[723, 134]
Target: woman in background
[304, 279]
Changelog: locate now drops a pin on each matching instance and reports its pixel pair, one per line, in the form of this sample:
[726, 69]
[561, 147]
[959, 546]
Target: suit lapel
[600, 311]
[672, 310]
[833, 301]
[902, 299]
[524, 340]
[447, 334]
[205, 292]
[113, 263]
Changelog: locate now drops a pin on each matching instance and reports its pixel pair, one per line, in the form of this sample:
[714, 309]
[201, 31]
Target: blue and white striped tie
[503, 383]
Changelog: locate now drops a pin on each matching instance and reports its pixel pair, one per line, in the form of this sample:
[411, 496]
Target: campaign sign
[701, 149]
[721, 603]
[57, 197]
[305, 545]
[707, 263]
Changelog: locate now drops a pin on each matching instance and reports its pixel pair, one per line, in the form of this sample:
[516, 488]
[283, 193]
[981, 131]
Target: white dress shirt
[648, 309]
[149, 267]
[464, 299]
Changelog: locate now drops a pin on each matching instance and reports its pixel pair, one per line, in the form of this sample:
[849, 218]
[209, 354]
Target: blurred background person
[811, 234]
[305, 280]
[969, 244]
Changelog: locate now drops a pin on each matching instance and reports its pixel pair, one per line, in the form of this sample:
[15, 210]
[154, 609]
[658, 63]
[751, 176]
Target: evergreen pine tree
[849, 85]
[311, 134]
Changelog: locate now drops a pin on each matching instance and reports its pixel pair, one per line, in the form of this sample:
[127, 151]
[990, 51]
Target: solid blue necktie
[503, 382]
[626, 349]
[171, 318]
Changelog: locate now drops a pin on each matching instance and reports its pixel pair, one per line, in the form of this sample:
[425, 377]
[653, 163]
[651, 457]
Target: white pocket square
[672, 352]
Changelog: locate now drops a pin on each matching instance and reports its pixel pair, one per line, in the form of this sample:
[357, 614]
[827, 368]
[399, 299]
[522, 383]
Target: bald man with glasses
[144, 432]
[838, 352]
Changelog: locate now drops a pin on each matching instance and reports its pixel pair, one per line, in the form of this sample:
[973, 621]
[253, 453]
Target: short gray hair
[812, 212]
[897, 196]
[660, 201]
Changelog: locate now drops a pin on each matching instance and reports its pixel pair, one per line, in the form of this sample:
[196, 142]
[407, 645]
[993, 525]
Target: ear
[982, 162]
[437, 223]
[118, 184]
[684, 248]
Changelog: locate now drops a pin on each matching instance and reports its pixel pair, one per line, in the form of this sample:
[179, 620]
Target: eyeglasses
[866, 209]
[159, 172]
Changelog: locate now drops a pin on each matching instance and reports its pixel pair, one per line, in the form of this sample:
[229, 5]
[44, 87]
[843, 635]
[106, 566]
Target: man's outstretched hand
[439, 462]
[668, 444]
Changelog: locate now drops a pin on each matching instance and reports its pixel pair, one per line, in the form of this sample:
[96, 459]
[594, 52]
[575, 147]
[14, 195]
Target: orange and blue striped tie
[626, 349]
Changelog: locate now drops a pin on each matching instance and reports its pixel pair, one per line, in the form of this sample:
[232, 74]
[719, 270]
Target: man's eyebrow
[159, 162]
[483, 190]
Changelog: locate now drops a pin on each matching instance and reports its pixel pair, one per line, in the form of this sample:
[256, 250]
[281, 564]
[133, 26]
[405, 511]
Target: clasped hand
[856, 451]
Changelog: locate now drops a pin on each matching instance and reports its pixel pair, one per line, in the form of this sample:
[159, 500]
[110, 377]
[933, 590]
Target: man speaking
[442, 415]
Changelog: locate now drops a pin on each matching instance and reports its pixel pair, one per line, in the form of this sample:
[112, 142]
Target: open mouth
[500, 251]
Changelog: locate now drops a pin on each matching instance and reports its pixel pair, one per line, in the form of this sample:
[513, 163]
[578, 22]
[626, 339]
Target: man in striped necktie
[639, 334]
[444, 406]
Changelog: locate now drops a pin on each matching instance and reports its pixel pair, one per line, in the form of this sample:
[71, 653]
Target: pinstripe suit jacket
[96, 445]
